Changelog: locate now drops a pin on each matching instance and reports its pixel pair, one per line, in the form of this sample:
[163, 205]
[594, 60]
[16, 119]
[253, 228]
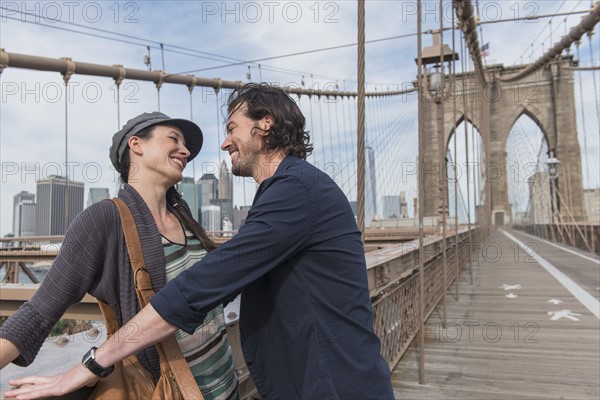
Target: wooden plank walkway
[497, 347]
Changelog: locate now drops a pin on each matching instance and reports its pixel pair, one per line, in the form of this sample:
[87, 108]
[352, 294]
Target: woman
[150, 153]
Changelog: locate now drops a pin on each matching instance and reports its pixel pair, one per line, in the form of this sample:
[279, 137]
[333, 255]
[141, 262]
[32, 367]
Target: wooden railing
[393, 276]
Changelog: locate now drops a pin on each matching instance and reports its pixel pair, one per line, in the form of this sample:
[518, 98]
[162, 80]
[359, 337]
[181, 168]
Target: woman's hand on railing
[35, 387]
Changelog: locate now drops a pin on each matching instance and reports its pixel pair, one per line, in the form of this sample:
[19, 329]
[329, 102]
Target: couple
[305, 316]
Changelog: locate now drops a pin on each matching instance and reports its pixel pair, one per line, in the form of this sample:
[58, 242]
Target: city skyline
[131, 33]
[59, 200]
[206, 189]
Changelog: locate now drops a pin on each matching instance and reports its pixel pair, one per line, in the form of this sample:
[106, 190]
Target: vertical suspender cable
[66, 77]
[158, 97]
[474, 171]
[312, 127]
[587, 161]
[322, 131]
[354, 117]
[195, 210]
[345, 138]
[159, 85]
[118, 91]
[475, 165]
[118, 81]
[360, 173]
[370, 190]
[353, 163]
[441, 158]
[421, 200]
[66, 158]
[389, 174]
[469, 194]
[340, 138]
[594, 78]
[332, 163]
[456, 242]
[465, 122]
[217, 91]
[482, 222]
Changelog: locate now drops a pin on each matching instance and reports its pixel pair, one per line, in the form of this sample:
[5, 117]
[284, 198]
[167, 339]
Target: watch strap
[89, 361]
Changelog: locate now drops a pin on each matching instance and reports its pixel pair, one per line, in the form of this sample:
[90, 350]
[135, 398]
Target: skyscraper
[24, 209]
[209, 189]
[208, 194]
[403, 206]
[188, 191]
[225, 194]
[370, 186]
[96, 194]
[58, 204]
[211, 218]
[391, 206]
[239, 216]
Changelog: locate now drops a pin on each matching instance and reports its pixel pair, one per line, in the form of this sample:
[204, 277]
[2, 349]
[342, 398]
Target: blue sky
[32, 112]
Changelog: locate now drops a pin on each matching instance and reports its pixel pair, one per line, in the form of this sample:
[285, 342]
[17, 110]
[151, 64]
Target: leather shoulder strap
[167, 349]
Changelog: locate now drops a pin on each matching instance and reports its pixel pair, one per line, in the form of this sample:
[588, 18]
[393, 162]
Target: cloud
[32, 123]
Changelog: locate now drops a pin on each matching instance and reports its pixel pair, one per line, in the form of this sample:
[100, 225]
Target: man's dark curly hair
[287, 132]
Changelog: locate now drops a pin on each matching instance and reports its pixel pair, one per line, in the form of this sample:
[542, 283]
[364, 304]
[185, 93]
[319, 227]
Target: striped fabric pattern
[206, 351]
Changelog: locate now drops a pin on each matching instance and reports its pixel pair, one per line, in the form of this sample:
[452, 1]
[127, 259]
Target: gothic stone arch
[546, 96]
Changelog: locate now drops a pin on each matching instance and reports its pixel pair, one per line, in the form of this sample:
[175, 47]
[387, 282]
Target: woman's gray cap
[191, 133]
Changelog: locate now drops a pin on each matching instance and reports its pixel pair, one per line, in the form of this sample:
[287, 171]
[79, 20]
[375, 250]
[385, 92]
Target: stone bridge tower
[546, 96]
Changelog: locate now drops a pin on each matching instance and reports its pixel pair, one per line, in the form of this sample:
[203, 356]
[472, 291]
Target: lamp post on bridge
[553, 171]
[437, 55]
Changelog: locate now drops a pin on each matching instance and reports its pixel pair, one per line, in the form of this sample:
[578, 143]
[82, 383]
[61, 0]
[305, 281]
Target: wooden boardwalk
[499, 347]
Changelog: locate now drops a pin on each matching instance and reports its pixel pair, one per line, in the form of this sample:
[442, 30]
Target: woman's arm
[149, 329]
[77, 269]
[8, 352]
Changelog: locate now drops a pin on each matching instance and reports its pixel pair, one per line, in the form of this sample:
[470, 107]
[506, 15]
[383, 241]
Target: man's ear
[134, 143]
[266, 124]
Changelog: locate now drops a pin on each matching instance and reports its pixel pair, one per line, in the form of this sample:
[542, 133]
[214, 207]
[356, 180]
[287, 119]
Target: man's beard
[244, 166]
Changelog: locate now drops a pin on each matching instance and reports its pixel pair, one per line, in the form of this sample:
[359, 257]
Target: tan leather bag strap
[168, 350]
[112, 325]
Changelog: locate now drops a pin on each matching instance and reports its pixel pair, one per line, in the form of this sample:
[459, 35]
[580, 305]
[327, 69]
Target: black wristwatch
[89, 361]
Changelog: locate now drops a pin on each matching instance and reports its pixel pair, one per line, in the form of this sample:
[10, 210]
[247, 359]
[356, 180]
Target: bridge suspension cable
[584, 127]
[421, 172]
[455, 169]
[596, 94]
[551, 17]
[532, 17]
[62, 66]
[468, 25]
[443, 189]
[164, 47]
[587, 24]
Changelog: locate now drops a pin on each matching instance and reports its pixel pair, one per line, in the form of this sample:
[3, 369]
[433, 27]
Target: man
[306, 317]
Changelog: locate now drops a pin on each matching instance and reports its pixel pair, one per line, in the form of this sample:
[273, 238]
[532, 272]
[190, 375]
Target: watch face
[87, 358]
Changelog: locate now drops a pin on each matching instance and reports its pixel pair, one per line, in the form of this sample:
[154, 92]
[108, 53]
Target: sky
[36, 112]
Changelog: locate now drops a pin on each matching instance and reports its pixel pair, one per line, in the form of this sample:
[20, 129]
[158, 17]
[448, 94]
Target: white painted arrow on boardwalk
[510, 287]
[555, 301]
[584, 297]
[556, 315]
